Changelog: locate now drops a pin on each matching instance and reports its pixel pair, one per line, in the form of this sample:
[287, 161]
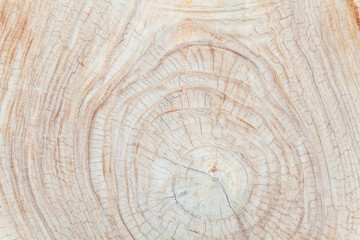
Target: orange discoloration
[193, 231]
[213, 169]
[355, 11]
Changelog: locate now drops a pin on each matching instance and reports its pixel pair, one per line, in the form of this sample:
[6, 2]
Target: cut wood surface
[181, 119]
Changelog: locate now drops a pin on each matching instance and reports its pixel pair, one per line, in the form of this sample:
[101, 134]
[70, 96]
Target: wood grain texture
[193, 119]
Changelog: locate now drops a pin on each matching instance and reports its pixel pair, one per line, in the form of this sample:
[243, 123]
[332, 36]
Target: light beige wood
[194, 119]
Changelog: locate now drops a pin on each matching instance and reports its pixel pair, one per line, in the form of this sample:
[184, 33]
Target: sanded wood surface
[196, 119]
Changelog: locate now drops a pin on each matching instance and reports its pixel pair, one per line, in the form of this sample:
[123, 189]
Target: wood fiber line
[196, 119]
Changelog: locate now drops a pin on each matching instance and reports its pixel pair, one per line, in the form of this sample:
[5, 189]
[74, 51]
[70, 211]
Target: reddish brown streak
[355, 11]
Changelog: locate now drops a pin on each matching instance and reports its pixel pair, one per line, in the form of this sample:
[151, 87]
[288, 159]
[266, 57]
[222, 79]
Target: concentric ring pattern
[200, 148]
[179, 120]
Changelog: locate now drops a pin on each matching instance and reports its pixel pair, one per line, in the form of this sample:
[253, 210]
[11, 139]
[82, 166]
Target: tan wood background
[179, 119]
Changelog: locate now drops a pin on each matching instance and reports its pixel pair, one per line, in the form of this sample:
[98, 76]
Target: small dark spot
[183, 194]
